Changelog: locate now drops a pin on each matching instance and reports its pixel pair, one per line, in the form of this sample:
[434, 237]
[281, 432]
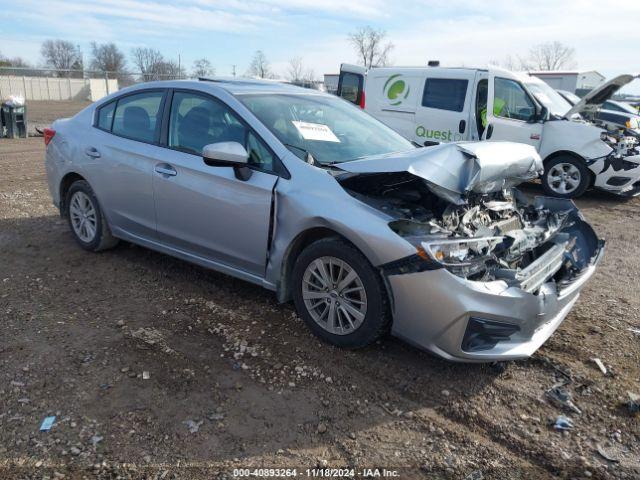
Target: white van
[430, 105]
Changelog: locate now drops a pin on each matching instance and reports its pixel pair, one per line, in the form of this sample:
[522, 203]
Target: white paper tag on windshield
[315, 131]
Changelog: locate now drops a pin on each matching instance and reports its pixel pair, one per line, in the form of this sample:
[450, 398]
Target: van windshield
[548, 97]
[329, 128]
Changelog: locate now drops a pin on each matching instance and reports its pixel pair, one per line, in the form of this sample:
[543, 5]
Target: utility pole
[233, 70]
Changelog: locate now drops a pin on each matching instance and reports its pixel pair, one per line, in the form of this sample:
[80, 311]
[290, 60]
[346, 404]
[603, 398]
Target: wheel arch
[295, 248]
[569, 153]
[65, 183]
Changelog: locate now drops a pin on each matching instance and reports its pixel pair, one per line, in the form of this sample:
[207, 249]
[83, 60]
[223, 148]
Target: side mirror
[228, 154]
[543, 114]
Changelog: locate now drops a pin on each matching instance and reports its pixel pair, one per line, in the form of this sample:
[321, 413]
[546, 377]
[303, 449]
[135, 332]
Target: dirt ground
[41, 113]
[155, 368]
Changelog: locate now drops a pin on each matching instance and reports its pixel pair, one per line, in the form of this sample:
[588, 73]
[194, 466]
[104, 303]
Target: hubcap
[563, 178]
[83, 216]
[334, 295]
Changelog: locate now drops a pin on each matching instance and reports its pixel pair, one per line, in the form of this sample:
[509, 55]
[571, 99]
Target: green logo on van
[395, 89]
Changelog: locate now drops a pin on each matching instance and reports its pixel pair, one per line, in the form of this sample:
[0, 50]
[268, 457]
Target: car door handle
[92, 152]
[462, 126]
[164, 169]
[489, 131]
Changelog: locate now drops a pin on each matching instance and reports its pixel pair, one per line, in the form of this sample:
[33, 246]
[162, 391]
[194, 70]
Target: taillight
[362, 99]
[48, 135]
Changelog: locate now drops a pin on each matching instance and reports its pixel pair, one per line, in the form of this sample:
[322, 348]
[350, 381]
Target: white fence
[47, 88]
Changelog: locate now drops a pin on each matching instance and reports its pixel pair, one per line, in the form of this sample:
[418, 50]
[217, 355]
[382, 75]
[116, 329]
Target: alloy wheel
[564, 178]
[334, 295]
[83, 216]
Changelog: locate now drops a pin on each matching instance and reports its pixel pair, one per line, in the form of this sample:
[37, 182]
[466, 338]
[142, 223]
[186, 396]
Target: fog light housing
[618, 181]
[484, 334]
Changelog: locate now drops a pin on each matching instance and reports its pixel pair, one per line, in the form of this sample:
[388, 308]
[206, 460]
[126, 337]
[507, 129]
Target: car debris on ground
[561, 398]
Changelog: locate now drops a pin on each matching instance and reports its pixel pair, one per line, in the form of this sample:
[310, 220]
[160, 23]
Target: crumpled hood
[452, 170]
[596, 97]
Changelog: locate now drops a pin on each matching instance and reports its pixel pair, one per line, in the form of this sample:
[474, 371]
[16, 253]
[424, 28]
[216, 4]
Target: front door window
[511, 101]
[197, 120]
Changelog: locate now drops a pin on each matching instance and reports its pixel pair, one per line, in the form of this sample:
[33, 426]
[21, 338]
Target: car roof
[234, 86]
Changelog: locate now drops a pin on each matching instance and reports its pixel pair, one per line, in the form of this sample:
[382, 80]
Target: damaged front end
[493, 236]
[462, 215]
[619, 172]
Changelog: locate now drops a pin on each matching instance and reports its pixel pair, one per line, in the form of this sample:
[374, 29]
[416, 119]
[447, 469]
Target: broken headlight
[459, 252]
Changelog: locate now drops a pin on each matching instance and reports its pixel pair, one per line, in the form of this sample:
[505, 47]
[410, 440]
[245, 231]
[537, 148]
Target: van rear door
[444, 103]
[392, 96]
[351, 83]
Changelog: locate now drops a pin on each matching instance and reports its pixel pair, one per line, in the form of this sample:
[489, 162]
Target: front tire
[565, 176]
[86, 220]
[339, 295]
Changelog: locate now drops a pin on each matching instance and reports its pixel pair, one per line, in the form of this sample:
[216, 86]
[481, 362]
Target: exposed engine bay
[623, 144]
[498, 235]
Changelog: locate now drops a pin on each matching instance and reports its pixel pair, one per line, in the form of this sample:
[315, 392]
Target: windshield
[548, 97]
[329, 128]
[572, 98]
[621, 106]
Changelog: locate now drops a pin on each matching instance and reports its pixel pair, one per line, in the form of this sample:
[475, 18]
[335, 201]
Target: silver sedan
[306, 195]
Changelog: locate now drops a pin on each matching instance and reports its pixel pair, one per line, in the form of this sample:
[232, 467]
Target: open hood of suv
[453, 170]
[596, 97]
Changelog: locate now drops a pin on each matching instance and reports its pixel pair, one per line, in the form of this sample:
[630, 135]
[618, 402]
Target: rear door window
[445, 94]
[137, 116]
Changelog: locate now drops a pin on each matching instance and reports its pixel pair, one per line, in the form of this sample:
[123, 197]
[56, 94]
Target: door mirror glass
[225, 154]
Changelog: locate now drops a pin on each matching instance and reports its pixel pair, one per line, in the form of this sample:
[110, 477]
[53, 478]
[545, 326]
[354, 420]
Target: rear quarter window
[105, 116]
[445, 93]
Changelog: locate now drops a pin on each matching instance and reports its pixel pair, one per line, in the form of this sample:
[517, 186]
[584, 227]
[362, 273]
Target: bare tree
[552, 56]
[61, 55]
[370, 46]
[146, 61]
[309, 76]
[513, 63]
[298, 74]
[259, 66]
[17, 62]
[167, 70]
[107, 57]
[203, 68]
[295, 72]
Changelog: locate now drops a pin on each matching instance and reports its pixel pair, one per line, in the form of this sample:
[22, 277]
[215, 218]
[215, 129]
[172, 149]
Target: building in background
[578, 82]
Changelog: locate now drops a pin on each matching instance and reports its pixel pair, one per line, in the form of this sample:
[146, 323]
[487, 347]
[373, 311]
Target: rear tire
[86, 220]
[339, 295]
[565, 176]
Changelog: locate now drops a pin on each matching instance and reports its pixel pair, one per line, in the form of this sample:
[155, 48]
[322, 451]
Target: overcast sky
[605, 35]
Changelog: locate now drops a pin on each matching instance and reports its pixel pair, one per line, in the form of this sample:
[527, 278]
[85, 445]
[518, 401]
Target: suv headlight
[460, 252]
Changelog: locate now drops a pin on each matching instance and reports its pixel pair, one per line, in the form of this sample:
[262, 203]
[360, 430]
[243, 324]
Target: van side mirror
[543, 114]
[228, 154]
